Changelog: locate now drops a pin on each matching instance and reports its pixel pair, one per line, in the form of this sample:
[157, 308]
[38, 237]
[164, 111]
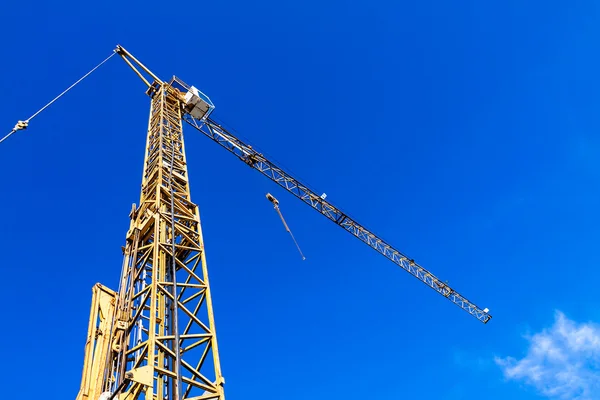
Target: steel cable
[23, 124]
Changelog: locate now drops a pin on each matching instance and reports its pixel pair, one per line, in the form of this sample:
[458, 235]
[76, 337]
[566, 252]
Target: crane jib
[257, 161]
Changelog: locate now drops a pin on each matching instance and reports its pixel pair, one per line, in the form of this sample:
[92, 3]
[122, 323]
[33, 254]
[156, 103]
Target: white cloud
[562, 362]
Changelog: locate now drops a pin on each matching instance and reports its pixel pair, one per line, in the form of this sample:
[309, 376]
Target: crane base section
[97, 343]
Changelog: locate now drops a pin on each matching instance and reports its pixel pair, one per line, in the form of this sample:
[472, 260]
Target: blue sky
[463, 133]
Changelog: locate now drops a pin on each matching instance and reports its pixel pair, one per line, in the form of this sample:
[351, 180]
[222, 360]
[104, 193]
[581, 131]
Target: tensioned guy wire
[23, 124]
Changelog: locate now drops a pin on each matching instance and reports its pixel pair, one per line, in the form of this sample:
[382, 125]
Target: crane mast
[155, 338]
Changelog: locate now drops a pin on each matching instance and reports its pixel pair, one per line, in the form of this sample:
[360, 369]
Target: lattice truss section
[257, 161]
[166, 225]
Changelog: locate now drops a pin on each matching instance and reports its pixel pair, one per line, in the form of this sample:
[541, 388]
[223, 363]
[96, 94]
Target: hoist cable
[289, 231]
[23, 124]
[275, 202]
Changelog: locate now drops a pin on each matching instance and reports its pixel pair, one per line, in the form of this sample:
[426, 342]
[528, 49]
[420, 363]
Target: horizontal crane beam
[257, 161]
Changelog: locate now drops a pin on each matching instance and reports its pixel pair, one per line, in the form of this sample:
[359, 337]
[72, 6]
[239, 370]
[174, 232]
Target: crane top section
[196, 110]
[196, 103]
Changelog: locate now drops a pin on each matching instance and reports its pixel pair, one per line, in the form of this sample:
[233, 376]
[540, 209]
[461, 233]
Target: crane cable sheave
[272, 199]
[131, 60]
[195, 103]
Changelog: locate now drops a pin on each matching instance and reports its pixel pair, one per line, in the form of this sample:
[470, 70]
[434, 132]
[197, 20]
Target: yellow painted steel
[135, 354]
[97, 344]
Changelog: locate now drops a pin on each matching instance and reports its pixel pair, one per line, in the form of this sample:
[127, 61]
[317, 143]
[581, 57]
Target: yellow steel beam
[97, 354]
[147, 354]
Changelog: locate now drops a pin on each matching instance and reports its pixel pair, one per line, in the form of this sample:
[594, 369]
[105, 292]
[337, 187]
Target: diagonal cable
[23, 124]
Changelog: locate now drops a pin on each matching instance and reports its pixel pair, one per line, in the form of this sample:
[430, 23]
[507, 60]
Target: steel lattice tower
[160, 348]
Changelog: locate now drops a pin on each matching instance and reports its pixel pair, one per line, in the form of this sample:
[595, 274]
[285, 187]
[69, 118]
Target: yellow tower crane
[155, 338]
